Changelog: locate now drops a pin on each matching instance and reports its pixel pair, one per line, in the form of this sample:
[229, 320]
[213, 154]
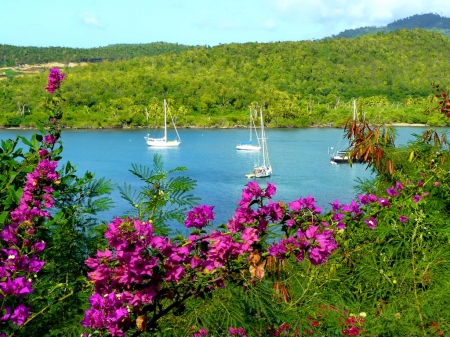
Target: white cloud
[90, 19]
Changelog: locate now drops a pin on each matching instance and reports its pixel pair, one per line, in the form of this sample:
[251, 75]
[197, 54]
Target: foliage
[378, 266]
[298, 84]
[19, 56]
[53, 296]
[161, 199]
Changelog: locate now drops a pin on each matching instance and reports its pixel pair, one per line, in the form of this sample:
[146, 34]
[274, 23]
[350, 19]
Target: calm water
[299, 158]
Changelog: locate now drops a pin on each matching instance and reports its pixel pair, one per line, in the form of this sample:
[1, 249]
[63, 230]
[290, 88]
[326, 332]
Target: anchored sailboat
[265, 169]
[339, 155]
[163, 142]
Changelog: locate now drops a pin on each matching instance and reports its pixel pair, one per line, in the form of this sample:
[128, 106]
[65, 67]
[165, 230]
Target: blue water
[299, 159]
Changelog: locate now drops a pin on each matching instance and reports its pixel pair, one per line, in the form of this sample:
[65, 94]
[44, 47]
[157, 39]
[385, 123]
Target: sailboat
[163, 142]
[264, 170]
[248, 146]
[340, 155]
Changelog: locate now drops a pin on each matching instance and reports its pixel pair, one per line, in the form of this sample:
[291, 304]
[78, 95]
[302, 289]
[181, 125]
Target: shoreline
[210, 127]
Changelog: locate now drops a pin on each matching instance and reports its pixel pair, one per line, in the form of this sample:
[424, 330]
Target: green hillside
[11, 56]
[299, 84]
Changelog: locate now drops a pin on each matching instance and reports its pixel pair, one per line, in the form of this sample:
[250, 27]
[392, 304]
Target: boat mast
[165, 120]
[263, 138]
[250, 125]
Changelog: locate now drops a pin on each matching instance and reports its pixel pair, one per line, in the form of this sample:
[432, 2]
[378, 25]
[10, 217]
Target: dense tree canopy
[16, 56]
[299, 84]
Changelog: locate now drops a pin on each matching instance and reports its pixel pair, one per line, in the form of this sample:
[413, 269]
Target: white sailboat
[339, 155]
[163, 142]
[248, 146]
[265, 169]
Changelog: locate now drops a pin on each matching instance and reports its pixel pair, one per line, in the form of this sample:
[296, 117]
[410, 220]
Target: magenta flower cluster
[19, 260]
[140, 268]
[199, 217]
[237, 332]
[54, 80]
[140, 265]
[308, 234]
[19, 263]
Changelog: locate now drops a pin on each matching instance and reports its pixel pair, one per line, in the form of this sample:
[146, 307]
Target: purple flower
[249, 236]
[6, 314]
[384, 202]
[93, 318]
[367, 199]
[49, 139]
[352, 208]
[270, 190]
[237, 331]
[55, 78]
[35, 265]
[275, 211]
[199, 217]
[392, 191]
[308, 203]
[317, 256]
[417, 198]
[403, 218]
[253, 190]
[278, 250]
[19, 287]
[335, 205]
[20, 314]
[43, 152]
[371, 222]
[341, 225]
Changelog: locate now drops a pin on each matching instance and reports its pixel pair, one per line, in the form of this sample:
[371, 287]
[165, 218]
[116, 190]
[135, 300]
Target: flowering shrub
[144, 276]
[385, 253]
[19, 262]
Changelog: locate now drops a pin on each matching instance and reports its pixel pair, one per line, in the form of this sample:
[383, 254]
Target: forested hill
[297, 84]
[433, 22]
[11, 56]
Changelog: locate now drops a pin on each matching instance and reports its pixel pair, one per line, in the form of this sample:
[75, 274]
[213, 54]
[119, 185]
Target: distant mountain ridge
[428, 21]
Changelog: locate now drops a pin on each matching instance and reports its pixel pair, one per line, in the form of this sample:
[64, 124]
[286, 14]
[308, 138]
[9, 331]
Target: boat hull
[247, 147]
[173, 143]
[339, 160]
[161, 142]
[342, 160]
[262, 171]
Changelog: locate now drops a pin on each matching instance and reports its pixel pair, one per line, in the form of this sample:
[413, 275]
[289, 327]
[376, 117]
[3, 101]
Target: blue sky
[97, 23]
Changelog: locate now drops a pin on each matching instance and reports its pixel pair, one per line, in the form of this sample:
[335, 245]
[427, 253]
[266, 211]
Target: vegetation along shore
[298, 84]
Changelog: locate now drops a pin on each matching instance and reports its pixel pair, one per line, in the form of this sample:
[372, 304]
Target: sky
[98, 23]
